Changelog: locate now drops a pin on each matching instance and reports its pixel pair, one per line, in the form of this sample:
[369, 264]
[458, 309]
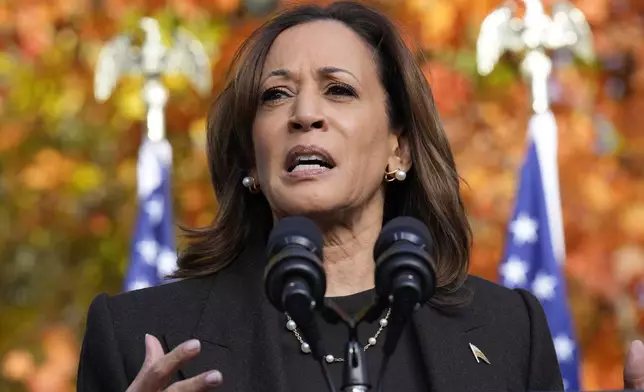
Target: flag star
[149, 175]
[564, 347]
[524, 229]
[544, 286]
[566, 384]
[148, 250]
[139, 284]
[154, 208]
[163, 152]
[167, 263]
[515, 272]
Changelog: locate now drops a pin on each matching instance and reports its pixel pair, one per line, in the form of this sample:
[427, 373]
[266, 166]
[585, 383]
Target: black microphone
[294, 278]
[404, 273]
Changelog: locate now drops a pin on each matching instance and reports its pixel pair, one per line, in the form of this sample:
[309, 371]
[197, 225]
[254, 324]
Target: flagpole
[535, 249]
[153, 255]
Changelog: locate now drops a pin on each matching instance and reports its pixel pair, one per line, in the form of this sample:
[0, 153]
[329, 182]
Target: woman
[326, 114]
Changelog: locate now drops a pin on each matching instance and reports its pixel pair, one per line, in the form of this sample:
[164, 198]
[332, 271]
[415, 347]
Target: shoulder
[176, 305]
[489, 297]
[516, 316]
[165, 295]
[116, 325]
[158, 310]
[509, 312]
[487, 289]
[156, 307]
[517, 306]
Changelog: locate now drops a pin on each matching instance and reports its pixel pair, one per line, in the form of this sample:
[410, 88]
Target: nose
[307, 115]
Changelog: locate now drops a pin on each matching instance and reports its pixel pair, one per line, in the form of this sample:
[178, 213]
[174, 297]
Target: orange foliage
[73, 162]
[55, 372]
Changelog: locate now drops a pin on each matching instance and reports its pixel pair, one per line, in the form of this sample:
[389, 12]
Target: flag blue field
[534, 253]
[153, 254]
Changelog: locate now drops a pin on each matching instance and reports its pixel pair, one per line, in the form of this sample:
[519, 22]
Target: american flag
[534, 253]
[153, 254]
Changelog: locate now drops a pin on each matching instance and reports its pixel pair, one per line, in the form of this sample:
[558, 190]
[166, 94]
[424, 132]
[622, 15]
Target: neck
[348, 253]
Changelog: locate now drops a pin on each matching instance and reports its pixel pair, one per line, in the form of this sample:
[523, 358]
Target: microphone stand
[355, 373]
[355, 377]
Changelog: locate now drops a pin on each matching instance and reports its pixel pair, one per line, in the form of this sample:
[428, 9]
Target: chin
[312, 204]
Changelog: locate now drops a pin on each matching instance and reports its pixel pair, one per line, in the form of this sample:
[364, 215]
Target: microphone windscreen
[295, 230]
[403, 228]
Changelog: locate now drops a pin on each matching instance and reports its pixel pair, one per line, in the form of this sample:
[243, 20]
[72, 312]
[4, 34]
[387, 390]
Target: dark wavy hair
[430, 192]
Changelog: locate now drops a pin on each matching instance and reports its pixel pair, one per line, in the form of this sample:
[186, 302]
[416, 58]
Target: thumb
[153, 350]
[634, 366]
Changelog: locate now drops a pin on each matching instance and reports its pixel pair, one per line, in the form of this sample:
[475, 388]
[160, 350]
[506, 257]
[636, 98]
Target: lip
[293, 153]
[308, 174]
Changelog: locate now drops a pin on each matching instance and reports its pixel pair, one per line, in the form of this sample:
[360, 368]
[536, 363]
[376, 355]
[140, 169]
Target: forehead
[320, 43]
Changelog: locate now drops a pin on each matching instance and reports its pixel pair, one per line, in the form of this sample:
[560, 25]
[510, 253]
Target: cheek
[368, 155]
[261, 145]
[366, 168]
[267, 151]
[371, 140]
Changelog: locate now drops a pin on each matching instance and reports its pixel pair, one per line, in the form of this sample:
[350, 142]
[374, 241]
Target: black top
[242, 335]
[404, 371]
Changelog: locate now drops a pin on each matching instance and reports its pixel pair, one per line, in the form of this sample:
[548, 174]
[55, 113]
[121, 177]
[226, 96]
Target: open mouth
[309, 162]
[308, 158]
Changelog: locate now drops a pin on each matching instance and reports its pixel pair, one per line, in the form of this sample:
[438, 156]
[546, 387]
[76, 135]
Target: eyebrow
[322, 71]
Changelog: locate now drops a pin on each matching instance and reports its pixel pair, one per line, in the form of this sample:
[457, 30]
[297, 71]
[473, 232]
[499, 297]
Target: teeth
[301, 167]
[310, 158]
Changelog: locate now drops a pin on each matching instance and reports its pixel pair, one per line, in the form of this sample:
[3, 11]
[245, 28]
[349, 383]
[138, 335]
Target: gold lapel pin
[478, 354]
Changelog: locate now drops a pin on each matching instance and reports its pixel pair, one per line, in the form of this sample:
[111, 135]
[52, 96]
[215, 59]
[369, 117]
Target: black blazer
[239, 330]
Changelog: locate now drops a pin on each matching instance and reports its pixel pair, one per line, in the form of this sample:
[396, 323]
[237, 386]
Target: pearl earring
[249, 183]
[398, 174]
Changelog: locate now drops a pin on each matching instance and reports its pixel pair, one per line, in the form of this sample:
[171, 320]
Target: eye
[341, 90]
[274, 94]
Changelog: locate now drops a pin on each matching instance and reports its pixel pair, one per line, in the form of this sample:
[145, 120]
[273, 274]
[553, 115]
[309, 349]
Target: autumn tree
[68, 163]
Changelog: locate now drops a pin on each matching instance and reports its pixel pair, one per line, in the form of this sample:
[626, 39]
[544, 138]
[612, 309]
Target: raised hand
[634, 367]
[158, 367]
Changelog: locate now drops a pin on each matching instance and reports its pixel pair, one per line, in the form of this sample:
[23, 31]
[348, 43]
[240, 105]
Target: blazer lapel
[444, 340]
[236, 331]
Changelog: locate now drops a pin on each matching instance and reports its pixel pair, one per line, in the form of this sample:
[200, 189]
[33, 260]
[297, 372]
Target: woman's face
[321, 133]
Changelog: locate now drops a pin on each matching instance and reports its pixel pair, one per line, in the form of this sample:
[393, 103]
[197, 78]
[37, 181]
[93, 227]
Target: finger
[199, 383]
[157, 375]
[634, 366]
[153, 350]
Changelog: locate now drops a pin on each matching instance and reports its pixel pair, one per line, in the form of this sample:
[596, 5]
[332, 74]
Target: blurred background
[68, 164]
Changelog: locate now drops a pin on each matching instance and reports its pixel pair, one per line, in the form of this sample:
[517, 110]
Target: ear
[400, 157]
[253, 173]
